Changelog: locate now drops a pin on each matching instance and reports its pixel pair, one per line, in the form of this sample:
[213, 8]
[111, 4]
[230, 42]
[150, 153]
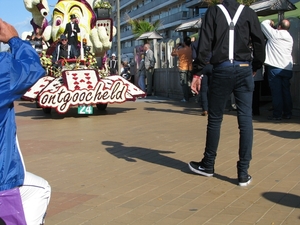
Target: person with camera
[279, 67]
[184, 54]
[125, 70]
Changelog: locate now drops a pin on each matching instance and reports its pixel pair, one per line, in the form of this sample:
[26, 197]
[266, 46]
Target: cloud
[23, 26]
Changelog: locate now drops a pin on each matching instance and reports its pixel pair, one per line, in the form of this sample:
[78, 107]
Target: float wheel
[101, 106]
[47, 110]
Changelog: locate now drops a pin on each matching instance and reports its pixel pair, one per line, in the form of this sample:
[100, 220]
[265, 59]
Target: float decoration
[81, 87]
[83, 82]
[102, 9]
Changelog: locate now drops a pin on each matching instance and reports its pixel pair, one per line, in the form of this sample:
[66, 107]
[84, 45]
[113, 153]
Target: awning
[150, 35]
[269, 7]
[290, 14]
[190, 26]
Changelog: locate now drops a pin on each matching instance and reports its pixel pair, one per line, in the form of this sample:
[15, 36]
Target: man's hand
[196, 84]
[7, 31]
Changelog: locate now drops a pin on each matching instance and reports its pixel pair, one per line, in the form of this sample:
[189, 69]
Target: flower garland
[102, 4]
[89, 62]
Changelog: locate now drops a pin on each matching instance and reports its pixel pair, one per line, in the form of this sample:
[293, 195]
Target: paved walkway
[128, 165]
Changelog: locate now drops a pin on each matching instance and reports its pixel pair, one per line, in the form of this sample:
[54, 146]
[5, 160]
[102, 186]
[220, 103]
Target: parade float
[85, 82]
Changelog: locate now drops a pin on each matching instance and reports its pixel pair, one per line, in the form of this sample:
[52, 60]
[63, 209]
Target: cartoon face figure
[37, 6]
[61, 16]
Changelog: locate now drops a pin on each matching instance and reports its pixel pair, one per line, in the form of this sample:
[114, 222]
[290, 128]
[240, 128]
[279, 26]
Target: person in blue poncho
[20, 69]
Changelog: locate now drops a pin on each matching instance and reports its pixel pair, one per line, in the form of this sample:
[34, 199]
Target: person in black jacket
[71, 30]
[63, 51]
[113, 65]
[233, 71]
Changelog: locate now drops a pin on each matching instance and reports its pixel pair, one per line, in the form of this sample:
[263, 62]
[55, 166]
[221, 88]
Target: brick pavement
[128, 165]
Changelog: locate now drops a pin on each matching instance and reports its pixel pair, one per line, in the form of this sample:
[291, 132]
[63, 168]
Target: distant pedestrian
[279, 63]
[113, 65]
[142, 73]
[149, 65]
[185, 66]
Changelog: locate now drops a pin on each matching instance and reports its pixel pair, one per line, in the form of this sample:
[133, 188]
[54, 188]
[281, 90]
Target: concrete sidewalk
[128, 165]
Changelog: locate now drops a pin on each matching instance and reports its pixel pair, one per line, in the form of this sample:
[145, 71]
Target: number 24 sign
[85, 109]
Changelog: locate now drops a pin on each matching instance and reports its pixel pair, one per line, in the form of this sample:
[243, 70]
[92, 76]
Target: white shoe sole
[200, 172]
[245, 183]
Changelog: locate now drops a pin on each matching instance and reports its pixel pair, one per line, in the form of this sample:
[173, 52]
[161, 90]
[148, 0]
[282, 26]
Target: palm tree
[140, 27]
[245, 2]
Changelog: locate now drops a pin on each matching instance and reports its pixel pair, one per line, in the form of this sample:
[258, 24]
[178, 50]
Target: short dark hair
[187, 41]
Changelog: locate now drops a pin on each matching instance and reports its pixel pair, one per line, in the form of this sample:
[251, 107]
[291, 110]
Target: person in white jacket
[279, 67]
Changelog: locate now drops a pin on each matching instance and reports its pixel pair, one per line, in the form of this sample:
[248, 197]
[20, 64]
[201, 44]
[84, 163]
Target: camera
[179, 45]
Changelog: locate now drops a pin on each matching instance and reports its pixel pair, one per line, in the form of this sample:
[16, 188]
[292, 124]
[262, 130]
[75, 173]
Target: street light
[118, 35]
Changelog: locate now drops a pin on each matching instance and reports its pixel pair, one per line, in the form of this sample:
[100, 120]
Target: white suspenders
[69, 50]
[231, 24]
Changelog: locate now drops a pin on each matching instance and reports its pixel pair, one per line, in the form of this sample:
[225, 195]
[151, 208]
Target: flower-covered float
[84, 82]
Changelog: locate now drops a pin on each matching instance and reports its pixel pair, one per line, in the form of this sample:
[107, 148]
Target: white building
[171, 14]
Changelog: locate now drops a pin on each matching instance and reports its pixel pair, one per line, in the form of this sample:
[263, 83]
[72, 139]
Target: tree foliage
[139, 27]
[244, 2]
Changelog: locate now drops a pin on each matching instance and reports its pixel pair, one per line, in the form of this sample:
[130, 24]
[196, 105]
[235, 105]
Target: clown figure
[96, 36]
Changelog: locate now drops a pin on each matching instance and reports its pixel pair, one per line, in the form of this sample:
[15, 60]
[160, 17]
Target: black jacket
[69, 52]
[214, 37]
[68, 31]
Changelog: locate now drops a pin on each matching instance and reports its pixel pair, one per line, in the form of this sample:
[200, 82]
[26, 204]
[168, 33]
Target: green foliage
[140, 27]
[102, 4]
[244, 2]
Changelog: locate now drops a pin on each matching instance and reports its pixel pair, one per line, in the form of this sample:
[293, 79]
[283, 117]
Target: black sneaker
[244, 181]
[274, 118]
[288, 117]
[197, 167]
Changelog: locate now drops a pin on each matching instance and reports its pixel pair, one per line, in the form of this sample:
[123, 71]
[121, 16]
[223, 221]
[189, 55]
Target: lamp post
[118, 36]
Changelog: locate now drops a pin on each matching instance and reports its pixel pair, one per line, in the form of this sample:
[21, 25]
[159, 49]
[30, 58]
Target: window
[155, 17]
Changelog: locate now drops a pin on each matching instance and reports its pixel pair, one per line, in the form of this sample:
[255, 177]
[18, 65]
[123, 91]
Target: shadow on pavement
[131, 154]
[37, 113]
[283, 133]
[286, 199]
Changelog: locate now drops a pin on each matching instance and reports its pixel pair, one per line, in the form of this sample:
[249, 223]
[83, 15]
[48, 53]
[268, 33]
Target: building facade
[171, 14]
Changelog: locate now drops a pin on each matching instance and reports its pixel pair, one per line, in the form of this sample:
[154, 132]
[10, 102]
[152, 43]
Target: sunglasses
[64, 39]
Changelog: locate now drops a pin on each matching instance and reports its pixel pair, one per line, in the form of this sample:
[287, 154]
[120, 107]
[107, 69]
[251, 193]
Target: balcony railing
[175, 17]
[148, 8]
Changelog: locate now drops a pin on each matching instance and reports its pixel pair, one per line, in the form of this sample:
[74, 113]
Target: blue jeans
[185, 80]
[279, 82]
[141, 82]
[239, 81]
